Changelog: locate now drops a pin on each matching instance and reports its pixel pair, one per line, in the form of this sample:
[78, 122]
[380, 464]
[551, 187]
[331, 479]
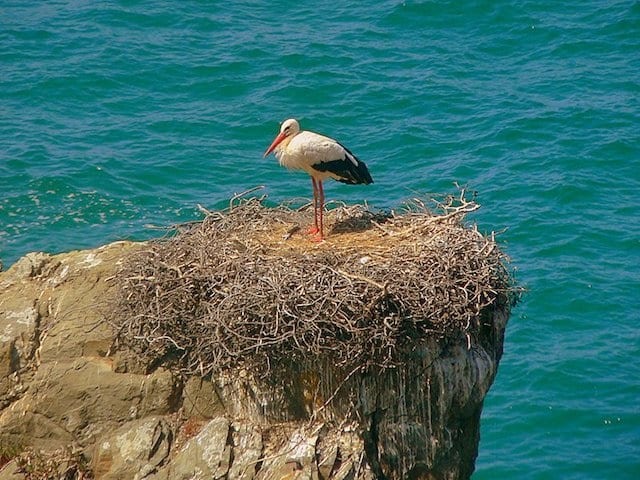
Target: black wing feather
[346, 170]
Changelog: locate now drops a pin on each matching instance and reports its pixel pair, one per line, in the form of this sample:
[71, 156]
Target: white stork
[322, 158]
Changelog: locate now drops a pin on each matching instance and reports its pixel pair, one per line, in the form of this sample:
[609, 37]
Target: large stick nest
[247, 287]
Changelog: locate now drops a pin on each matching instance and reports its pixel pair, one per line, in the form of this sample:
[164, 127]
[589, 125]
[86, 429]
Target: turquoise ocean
[119, 116]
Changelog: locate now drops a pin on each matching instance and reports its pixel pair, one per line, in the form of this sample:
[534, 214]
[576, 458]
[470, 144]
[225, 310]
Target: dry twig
[244, 287]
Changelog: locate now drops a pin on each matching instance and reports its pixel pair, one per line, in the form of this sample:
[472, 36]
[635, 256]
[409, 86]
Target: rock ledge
[62, 387]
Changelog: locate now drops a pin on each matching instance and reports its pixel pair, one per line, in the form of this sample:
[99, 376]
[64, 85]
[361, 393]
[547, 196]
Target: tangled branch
[245, 288]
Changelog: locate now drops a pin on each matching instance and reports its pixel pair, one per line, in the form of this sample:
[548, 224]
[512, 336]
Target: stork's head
[288, 128]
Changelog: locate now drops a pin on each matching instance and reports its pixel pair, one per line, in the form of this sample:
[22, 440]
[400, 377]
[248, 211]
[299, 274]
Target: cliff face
[61, 387]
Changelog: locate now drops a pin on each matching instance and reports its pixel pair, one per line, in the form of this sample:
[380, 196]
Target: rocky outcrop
[61, 386]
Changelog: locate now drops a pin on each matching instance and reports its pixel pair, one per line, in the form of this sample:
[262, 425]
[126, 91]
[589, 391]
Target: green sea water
[116, 116]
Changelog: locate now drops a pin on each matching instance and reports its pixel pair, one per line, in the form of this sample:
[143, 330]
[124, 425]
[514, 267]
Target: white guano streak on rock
[129, 447]
[26, 317]
[60, 277]
[91, 260]
[213, 440]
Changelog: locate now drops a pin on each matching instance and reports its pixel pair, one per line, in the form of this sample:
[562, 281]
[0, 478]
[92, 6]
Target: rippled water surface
[115, 116]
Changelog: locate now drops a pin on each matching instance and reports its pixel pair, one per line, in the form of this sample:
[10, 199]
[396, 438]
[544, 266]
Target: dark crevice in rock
[175, 399]
[371, 440]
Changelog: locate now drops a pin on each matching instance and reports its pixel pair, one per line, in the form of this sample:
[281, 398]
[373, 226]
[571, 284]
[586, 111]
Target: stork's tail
[361, 173]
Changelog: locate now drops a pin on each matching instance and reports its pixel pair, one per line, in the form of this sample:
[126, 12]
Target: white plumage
[322, 158]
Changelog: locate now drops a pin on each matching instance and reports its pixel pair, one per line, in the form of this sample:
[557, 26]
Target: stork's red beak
[274, 144]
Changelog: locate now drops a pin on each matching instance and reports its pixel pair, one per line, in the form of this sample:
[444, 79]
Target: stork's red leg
[313, 230]
[319, 233]
[321, 208]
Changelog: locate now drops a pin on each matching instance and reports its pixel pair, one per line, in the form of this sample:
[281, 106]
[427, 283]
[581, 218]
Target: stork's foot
[316, 234]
